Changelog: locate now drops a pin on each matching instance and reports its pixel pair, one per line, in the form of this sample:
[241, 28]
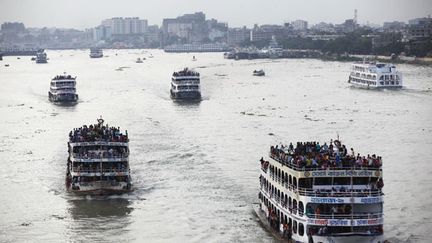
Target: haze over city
[83, 14]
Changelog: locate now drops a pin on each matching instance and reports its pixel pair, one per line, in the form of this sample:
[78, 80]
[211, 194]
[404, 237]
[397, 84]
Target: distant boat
[96, 53]
[63, 89]
[185, 85]
[258, 73]
[41, 57]
[193, 58]
[6, 65]
[33, 59]
[372, 75]
[139, 60]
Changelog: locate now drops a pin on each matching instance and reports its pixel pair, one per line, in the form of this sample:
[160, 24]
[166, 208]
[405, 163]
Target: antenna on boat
[337, 134]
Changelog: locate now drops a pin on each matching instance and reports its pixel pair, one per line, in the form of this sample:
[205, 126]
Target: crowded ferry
[185, 84]
[375, 75]
[98, 161]
[63, 89]
[312, 192]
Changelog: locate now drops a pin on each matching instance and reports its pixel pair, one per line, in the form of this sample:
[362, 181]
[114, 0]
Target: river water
[195, 165]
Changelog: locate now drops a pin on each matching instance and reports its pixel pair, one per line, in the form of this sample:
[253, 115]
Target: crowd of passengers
[118, 152]
[58, 77]
[97, 132]
[95, 167]
[185, 72]
[314, 155]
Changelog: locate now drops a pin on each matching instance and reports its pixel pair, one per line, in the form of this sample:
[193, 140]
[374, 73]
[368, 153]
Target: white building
[126, 26]
[300, 24]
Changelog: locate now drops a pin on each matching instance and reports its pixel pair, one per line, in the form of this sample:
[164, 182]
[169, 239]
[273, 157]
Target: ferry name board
[346, 222]
[339, 200]
[342, 173]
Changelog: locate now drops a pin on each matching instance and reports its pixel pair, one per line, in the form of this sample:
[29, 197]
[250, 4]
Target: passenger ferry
[185, 84]
[98, 161]
[63, 89]
[96, 53]
[323, 193]
[375, 75]
[41, 57]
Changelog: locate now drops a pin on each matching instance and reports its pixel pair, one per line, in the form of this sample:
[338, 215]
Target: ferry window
[323, 181]
[397, 82]
[290, 179]
[295, 206]
[300, 208]
[305, 182]
[382, 78]
[342, 181]
[294, 227]
[294, 182]
[301, 229]
[382, 83]
[360, 180]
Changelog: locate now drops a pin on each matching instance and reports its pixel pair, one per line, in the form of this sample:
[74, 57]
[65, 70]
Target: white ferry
[98, 161]
[41, 57]
[375, 75]
[185, 84]
[321, 193]
[63, 89]
[96, 53]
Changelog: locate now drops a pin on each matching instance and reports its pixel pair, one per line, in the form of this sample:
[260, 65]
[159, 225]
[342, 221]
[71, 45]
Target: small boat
[6, 65]
[33, 59]
[194, 58]
[139, 60]
[258, 73]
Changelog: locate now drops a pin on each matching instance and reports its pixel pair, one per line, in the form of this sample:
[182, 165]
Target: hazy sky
[83, 14]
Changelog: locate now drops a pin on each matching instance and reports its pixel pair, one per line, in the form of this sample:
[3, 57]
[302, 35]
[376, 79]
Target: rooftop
[185, 72]
[98, 132]
[313, 156]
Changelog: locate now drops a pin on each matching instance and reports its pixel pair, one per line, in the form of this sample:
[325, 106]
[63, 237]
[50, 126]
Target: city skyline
[81, 14]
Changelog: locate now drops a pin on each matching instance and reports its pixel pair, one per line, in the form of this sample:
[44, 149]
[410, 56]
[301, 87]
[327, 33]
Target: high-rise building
[126, 26]
[299, 25]
[237, 36]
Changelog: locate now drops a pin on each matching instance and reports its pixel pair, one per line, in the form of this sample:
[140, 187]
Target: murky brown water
[195, 166]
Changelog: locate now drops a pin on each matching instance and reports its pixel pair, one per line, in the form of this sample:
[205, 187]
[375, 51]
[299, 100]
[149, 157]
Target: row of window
[281, 218]
[285, 200]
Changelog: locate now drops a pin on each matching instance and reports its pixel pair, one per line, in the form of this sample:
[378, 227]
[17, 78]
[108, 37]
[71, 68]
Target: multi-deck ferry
[98, 161]
[41, 57]
[321, 193]
[185, 84]
[96, 53]
[375, 75]
[63, 89]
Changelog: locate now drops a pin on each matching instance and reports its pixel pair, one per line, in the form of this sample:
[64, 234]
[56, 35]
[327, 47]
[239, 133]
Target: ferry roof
[61, 77]
[97, 133]
[373, 64]
[185, 72]
[313, 156]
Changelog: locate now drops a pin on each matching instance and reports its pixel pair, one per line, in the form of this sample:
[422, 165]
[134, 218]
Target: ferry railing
[97, 156]
[99, 170]
[328, 192]
[346, 216]
[304, 168]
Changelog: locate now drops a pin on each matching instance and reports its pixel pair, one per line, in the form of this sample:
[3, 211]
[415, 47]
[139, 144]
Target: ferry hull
[97, 188]
[362, 86]
[67, 99]
[190, 95]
